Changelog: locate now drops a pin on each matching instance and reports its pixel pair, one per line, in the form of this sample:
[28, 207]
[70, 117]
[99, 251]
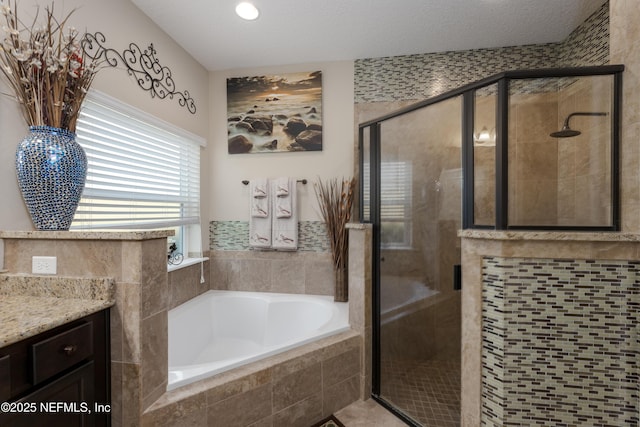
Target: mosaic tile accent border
[229, 235]
[414, 77]
[589, 43]
[234, 236]
[560, 342]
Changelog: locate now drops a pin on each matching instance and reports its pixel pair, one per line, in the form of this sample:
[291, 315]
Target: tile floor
[367, 413]
[427, 390]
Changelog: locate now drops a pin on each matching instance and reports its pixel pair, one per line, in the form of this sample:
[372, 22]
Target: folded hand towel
[260, 218]
[285, 220]
[282, 187]
[259, 188]
[283, 198]
[260, 208]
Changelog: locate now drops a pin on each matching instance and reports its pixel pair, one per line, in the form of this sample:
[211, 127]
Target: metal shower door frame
[501, 167]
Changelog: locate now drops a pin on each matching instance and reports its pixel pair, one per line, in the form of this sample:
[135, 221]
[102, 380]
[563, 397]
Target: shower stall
[534, 149]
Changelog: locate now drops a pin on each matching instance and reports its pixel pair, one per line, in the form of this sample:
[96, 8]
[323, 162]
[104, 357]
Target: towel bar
[246, 181]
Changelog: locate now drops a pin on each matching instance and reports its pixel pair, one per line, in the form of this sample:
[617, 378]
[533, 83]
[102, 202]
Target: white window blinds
[395, 191]
[142, 172]
[395, 202]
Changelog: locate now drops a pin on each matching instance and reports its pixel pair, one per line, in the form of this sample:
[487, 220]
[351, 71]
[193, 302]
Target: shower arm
[581, 113]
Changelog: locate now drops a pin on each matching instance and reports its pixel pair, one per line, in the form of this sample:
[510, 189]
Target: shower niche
[533, 149]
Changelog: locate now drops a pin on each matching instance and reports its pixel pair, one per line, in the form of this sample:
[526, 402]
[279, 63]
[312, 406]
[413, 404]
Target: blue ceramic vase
[51, 170]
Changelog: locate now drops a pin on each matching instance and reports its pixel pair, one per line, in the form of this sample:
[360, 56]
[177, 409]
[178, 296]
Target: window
[395, 203]
[142, 172]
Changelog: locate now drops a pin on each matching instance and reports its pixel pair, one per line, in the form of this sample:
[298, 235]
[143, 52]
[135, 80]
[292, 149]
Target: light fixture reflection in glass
[248, 11]
[485, 137]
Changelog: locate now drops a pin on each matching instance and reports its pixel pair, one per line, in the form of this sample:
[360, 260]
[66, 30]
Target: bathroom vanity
[54, 351]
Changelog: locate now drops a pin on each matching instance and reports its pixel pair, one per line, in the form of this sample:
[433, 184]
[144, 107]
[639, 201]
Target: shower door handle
[457, 277]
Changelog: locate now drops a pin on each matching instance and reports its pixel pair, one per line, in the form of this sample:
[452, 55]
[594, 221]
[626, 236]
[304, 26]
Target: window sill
[396, 248]
[186, 263]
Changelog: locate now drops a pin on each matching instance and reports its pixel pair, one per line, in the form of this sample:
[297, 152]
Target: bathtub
[221, 330]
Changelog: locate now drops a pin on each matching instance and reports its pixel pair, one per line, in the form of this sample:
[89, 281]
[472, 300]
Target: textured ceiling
[300, 31]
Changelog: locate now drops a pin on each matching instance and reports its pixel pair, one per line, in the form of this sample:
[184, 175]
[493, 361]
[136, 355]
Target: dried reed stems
[46, 66]
[336, 200]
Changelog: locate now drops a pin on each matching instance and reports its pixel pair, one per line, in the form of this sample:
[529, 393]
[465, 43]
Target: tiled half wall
[560, 342]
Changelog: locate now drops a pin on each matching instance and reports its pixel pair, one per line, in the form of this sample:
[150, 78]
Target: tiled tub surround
[236, 267]
[295, 388]
[559, 342]
[539, 271]
[34, 304]
[186, 282]
[271, 271]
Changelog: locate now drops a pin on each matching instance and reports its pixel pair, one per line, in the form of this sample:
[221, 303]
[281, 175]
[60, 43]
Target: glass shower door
[420, 202]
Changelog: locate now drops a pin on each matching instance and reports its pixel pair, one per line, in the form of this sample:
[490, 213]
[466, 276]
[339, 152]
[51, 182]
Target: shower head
[566, 131]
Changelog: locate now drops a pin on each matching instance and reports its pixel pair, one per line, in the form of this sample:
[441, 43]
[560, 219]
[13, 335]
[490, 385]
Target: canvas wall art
[277, 113]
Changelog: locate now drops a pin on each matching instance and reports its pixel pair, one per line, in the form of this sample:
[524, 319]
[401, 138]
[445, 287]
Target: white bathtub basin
[220, 330]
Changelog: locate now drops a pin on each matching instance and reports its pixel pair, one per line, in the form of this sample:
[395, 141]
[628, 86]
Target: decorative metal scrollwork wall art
[142, 65]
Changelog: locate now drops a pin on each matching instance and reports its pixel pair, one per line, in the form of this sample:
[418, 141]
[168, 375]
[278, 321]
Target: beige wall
[228, 197]
[121, 23]
[625, 49]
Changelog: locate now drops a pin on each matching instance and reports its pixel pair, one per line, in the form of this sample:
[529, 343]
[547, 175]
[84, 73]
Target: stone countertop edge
[578, 236]
[31, 304]
[22, 316]
[86, 235]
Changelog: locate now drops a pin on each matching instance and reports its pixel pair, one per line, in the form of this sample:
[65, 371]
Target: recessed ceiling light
[248, 11]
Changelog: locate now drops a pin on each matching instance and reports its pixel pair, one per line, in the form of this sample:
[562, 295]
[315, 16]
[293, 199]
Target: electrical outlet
[43, 265]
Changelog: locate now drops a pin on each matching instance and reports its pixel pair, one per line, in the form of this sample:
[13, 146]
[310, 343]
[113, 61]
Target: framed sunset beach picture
[276, 113]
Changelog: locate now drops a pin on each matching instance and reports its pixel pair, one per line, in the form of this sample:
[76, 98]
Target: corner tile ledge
[358, 225]
[550, 235]
[87, 235]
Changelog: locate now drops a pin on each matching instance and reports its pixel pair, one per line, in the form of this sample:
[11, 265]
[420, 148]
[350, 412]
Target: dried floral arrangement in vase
[49, 73]
[335, 198]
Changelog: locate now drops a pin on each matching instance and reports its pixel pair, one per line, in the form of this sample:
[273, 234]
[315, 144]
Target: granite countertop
[32, 304]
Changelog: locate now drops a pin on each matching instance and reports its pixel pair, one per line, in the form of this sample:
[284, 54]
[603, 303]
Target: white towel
[259, 189]
[285, 228]
[283, 199]
[282, 187]
[260, 218]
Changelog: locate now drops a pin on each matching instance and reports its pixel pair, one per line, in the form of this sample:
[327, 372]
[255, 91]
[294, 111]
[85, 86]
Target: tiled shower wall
[415, 77]
[560, 342]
